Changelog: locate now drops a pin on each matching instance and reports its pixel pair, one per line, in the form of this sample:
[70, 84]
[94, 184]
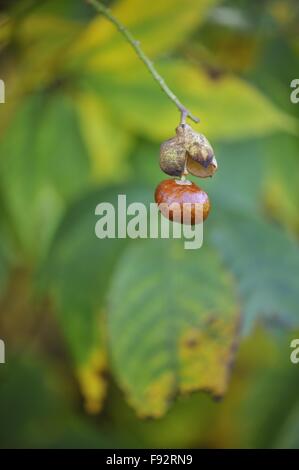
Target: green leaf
[102, 47]
[262, 396]
[265, 262]
[244, 161]
[3, 272]
[108, 144]
[289, 434]
[43, 39]
[228, 107]
[34, 393]
[5, 256]
[176, 312]
[281, 180]
[76, 274]
[30, 393]
[39, 151]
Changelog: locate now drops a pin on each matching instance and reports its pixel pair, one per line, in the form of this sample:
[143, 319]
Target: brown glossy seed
[172, 191]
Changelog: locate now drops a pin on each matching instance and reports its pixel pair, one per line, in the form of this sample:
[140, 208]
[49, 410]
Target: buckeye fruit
[180, 192]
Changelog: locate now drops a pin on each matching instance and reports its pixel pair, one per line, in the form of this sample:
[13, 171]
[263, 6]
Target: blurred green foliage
[101, 333]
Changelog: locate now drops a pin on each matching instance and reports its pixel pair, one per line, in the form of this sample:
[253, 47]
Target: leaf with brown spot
[172, 324]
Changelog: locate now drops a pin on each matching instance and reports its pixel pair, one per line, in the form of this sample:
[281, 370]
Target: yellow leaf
[103, 47]
[197, 348]
[92, 382]
[5, 30]
[228, 107]
[43, 41]
[108, 144]
[185, 334]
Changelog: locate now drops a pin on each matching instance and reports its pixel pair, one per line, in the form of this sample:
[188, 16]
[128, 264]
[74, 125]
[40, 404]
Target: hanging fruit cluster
[187, 152]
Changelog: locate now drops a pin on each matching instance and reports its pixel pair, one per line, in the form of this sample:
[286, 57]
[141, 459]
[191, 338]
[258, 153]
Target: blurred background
[106, 339]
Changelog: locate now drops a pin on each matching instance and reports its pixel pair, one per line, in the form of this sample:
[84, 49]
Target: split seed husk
[190, 147]
[197, 169]
[172, 157]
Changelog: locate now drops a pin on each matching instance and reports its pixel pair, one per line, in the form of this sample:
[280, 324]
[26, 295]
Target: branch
[148, 63]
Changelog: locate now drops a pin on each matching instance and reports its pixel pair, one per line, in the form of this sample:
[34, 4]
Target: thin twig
[150, 66]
